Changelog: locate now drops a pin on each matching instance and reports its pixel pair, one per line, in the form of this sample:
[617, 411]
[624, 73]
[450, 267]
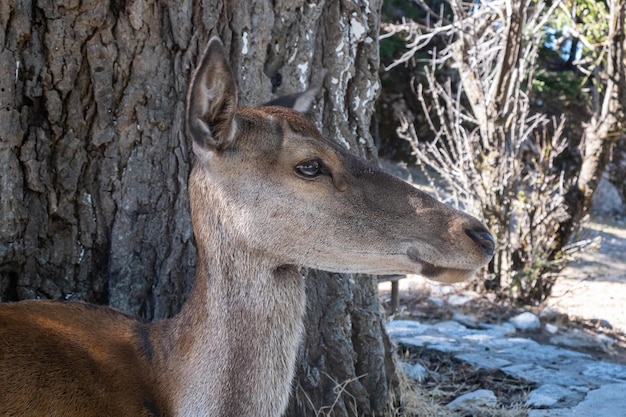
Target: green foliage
[586, 20]
[571, 36]
[565, 85]
[392, 47]
[580, 22]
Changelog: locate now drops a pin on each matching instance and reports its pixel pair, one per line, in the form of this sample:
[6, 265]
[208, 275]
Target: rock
[607, 401]
[568, 383]
[549, 395]
[526, 321]
[401, 328]
[450, 328]
[549, 313]
[415, 371]
[484, 360]
[460, 299]
[551, 328]
[581, 340]
[498, 330]
[606, 341]
[443, 289]
[473, 400]
[436, 301]
[539, 374]
[607, 199]
[466, 320]
[605, 371]
[436, 342]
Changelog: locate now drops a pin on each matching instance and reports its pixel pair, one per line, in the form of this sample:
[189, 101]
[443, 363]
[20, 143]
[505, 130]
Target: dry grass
[340, 390]
[449, 379]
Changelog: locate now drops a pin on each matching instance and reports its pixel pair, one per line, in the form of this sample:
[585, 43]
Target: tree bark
[94, 160]
[603, 130]
[617, 169]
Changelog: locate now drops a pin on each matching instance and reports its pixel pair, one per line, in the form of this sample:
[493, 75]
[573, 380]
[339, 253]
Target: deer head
[280, 189]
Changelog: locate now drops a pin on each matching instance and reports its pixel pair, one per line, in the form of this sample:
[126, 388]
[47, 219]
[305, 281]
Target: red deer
[268, 195]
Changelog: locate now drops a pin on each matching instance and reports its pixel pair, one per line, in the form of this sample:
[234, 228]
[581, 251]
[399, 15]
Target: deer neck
[231, 350]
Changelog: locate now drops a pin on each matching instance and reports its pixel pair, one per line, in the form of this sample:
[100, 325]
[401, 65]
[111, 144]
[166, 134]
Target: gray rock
[401, 328]
[415, 371]
[460, 299]
[551, 328]
[578, 339]
[526, 321]
[436, 301]
[444, 289]
[607, 200]
[549, 395]
[538, 374]
[438, 342]
[484, 360]
[473, 400]
[549, 313]
[451, 328]
[569, 383]
[606, 401]
[606, 371]
[465, 319]
[498, 330]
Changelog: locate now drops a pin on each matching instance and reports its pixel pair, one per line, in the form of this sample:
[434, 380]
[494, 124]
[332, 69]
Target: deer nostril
[483, 239]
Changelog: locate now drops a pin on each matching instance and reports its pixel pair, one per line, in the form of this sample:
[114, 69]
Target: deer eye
[310, 169]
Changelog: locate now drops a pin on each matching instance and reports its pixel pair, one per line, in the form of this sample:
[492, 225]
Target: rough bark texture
[94, 160]
[617, 170]
[601, 132]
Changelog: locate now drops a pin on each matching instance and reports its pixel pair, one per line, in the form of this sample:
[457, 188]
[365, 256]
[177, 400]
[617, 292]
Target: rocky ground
[476, 355]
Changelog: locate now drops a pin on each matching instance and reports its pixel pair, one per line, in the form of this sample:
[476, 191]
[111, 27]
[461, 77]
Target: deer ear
[300, 102]
[212, 101]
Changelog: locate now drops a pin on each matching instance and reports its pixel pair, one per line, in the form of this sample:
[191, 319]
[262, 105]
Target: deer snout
[483, 239]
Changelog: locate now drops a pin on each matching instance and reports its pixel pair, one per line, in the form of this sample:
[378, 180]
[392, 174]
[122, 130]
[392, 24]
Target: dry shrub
[495, 156]
[517, 189]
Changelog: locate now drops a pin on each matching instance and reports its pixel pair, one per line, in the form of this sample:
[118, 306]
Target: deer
[268, 195]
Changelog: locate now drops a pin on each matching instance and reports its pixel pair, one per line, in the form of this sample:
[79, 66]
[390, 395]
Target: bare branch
[496, 157]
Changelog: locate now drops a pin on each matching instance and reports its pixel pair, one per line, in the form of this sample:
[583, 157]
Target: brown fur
[231, 350]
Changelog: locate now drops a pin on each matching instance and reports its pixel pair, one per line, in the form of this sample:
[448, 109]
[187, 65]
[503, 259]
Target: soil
[594, 286]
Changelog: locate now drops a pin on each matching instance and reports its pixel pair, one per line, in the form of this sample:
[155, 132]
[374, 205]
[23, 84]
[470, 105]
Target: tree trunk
[617, 169]
[603, 130]
[94, 160]
[493, 92]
